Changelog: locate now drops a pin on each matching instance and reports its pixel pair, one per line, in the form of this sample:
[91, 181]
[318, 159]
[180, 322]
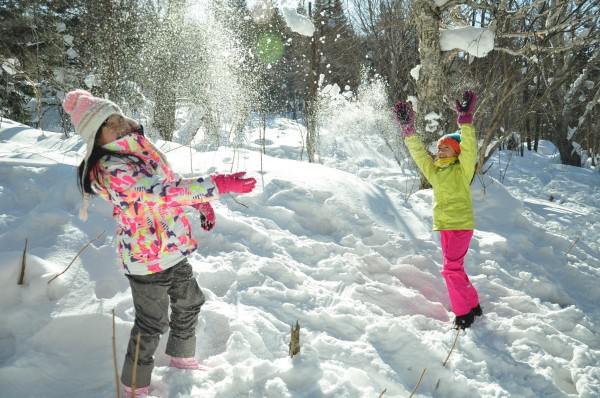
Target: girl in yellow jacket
[450, 175]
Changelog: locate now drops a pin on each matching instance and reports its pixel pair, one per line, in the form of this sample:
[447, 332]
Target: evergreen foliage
[155, 59]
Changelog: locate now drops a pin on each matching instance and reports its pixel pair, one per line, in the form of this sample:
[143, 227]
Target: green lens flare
[269, 48]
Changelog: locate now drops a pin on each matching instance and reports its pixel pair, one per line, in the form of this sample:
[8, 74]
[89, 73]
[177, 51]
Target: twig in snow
[77, 255]
[135, 360]
[295, 340]
[114, 348]
[453, 345]
[418, 383]
[23, 263]
[239, 203]
[576, 240]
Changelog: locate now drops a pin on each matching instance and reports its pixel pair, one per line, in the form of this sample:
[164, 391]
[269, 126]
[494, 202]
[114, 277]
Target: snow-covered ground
[344, 247]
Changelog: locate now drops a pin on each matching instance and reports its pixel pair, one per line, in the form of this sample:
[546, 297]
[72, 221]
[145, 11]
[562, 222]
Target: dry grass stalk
[77, 255]
[453, 345]
[23, 263]
[237, 201]
[418, 383]
[135, 361]
[295, 340]
[114, 348]
[567, 252]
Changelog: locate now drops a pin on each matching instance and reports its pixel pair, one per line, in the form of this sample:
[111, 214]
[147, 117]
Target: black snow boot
[464, 321]
[477, 311]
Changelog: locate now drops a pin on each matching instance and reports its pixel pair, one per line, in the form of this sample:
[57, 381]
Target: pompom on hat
[87, 115]
[452, 140]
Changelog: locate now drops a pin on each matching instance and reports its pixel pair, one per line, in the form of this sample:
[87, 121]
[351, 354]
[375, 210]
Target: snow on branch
[476, 41]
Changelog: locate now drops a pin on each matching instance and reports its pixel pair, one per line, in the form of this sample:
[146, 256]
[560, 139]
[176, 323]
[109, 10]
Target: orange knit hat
[452, 140]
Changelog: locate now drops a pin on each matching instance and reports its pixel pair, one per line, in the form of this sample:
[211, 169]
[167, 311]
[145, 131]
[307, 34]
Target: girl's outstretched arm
[124, 183]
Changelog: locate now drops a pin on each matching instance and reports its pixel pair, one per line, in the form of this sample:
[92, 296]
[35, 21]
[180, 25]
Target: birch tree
[546, 47]
[542, 47]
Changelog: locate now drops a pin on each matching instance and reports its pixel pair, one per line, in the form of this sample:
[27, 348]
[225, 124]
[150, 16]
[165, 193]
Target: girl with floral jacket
[154, 235]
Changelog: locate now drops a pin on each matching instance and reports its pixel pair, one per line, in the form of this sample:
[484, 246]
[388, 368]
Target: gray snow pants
[152, 295]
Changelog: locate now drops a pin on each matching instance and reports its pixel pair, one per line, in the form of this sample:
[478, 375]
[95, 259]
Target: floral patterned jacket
[153, 232]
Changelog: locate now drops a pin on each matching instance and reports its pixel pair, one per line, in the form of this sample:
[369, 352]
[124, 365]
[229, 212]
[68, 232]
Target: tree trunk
[432, 85]
[310, 108]
[568, 155]
[167, 79]
[164, 109]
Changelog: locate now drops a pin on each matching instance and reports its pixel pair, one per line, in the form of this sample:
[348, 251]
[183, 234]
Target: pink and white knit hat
[87, 115]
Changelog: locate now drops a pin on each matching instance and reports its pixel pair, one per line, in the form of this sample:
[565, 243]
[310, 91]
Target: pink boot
[184, 363]
[139, 392]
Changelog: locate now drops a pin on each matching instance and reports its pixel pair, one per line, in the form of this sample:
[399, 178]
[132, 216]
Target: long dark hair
[84, 183]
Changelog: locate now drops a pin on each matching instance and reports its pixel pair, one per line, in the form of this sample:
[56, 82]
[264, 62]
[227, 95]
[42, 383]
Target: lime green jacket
[452, 199]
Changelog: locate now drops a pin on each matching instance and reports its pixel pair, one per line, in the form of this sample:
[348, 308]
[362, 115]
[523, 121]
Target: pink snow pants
[463, 296]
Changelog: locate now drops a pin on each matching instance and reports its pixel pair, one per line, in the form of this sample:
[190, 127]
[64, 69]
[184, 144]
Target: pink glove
[464, 108]
[207, 216]
[405, 116]
[234, 183]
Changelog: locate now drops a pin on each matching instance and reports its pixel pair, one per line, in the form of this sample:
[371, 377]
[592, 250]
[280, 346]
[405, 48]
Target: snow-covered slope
[344, 247]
